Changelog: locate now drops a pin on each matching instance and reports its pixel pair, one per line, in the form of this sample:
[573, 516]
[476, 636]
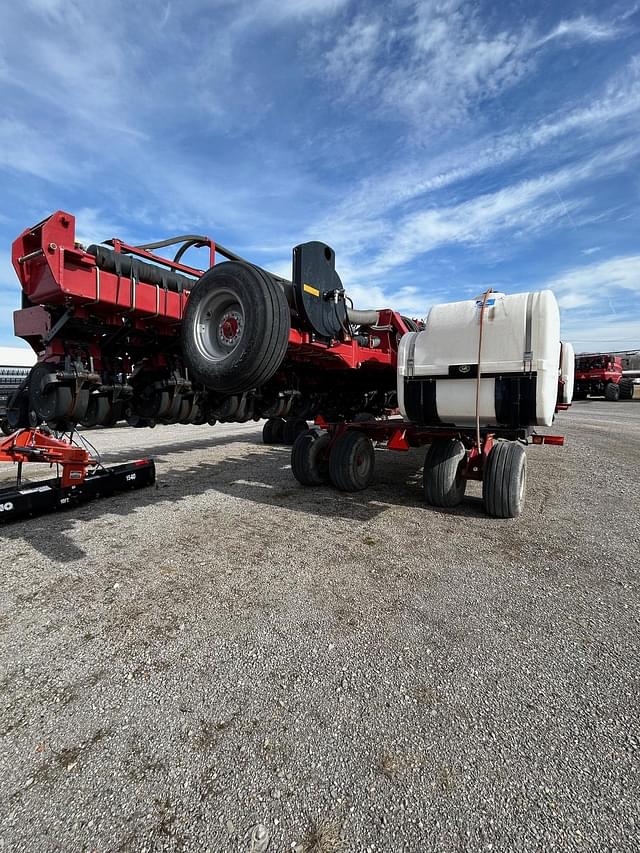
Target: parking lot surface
[356, 672]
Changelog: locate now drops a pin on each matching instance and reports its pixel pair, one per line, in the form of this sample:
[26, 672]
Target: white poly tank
[519, 366]
[567, 372]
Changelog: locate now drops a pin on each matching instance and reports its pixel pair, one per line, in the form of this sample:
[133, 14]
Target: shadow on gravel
[262, 477]
[158, 450]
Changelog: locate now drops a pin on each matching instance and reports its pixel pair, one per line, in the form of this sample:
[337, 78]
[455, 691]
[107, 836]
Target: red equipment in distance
[601, 375]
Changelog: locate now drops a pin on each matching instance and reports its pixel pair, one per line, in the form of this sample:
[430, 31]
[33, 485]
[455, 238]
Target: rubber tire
[442, 478]
[612, 392]
[292, 429]
[351, 462]
[265, 337]
[505, 480]
[4, 427]
[309, 457]
[272, 431]
[626, 389]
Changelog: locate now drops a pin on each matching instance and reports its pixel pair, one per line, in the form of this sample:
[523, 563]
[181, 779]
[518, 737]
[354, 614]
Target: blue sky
[439, 147]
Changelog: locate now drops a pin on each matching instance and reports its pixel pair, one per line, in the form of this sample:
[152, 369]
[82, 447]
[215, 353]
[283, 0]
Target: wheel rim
[219, 324]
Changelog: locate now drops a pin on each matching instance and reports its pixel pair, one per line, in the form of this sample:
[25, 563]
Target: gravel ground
[355, 672]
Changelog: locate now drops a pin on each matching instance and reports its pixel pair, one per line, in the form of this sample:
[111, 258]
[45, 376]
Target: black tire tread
[341, 471]
[626, 388]
[611, 392]
[440, 467]
[268, 353]
[501, 483]
[292, 429]
[309, 464]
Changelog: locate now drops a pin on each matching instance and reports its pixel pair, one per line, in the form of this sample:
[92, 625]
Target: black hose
[170, 241]
[190, 240]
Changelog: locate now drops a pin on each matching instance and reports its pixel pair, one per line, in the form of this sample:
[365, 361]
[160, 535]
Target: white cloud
[614, 113]
[434, 61]
[600, 333]
[23, 149]
[594, 284]
[518, 209]
[583, 28]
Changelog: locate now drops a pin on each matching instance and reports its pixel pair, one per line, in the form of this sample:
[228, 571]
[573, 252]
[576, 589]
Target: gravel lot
[355, 672]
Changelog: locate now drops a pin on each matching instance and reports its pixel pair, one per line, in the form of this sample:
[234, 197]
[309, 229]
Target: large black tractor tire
[293, 427]
[310, 459]
[626, 389]
[505, 480]
[272, 431]
[351, 462]
[443, 480]
[235, 328]
[611, 392]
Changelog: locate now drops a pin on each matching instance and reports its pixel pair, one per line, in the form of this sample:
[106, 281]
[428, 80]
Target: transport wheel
[4, 426]
[611, 392]
[626, 389]
[505, 479]
[309, 457]
[351, 462]
[235, 328]
[272, 431]
[443, 480]
[292, 429]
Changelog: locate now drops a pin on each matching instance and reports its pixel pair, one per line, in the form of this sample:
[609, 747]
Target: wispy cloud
[594, 284]
[529, 205]
[615, 111]
[583, 28]
[433, 62]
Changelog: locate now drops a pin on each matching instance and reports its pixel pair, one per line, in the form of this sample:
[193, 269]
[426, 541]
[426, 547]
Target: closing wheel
[292, 429]
[443, 480]
[97, 412]
[351, 462]
[505, 479]
[48, 401]
[272, 431]
[309, 457]
[611, 392]
[235, 328]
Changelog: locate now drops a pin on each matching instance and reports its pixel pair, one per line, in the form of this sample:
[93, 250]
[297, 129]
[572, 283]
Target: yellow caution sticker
[312, 290]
